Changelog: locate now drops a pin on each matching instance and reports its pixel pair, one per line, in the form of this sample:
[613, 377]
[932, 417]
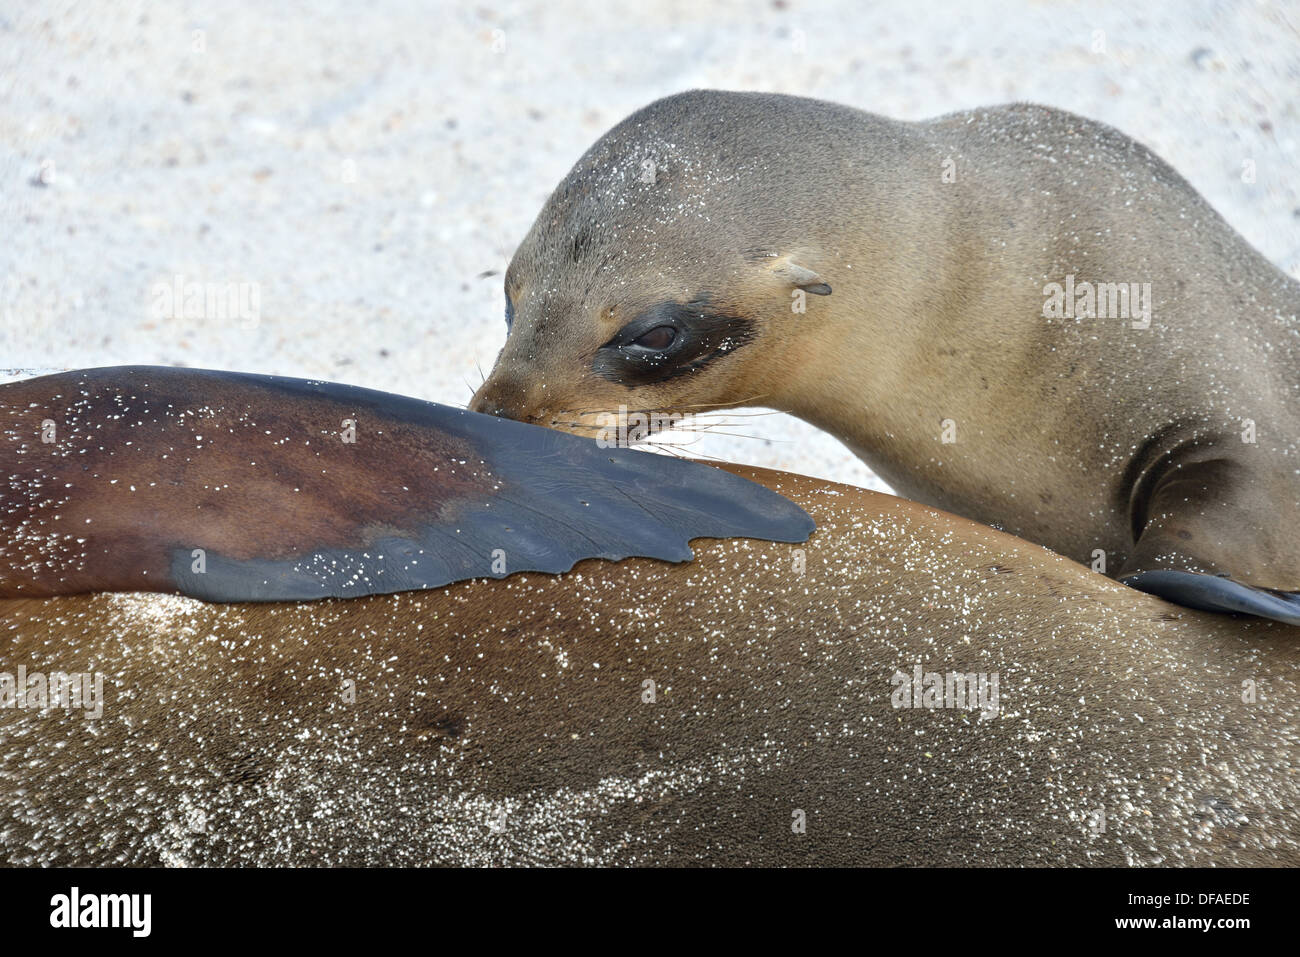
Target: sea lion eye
[658, 338]
[669, 339]
[510, 313]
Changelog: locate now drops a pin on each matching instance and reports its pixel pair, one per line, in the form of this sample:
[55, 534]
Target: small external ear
[799, 277]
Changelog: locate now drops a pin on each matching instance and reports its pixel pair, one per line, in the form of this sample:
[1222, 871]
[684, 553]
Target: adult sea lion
[509, 721]
[906, 687]
[1014, 313]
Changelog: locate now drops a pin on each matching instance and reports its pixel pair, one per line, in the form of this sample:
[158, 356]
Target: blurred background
[365, 172]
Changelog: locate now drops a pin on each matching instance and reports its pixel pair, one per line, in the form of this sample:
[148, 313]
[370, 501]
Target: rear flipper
[1216, 593]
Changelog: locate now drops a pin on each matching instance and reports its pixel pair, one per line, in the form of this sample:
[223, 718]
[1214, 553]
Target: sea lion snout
[504, 398]
[647, 347]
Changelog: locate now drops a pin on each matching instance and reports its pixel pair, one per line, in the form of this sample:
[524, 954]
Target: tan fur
[937, 314]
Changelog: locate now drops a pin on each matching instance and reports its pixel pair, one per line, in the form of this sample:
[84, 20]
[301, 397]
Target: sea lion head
[663, 270]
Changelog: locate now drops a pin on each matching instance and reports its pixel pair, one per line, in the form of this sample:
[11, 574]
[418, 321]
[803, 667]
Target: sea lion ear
[799, 277]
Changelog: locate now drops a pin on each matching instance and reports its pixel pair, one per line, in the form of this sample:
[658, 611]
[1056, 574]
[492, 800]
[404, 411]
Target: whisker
[723, 405]
[657, 414]
[738, 435]
[708, 456]
[694, 424]
[743, 415]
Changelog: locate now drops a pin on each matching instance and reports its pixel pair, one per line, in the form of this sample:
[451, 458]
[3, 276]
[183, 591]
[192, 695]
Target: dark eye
[658, 338]
[510, 313]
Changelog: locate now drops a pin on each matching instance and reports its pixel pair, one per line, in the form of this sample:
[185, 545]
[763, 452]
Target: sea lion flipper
[1209, 539]
[234, 487]
[1216, 593]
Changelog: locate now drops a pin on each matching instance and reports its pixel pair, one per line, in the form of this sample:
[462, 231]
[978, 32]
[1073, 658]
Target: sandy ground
[369, 174]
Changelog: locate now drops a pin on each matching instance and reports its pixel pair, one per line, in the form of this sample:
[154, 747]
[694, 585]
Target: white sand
[234, 162]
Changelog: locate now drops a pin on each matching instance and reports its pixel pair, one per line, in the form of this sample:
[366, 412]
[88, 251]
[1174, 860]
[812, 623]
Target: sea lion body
[942, 269]
[510, 721]
[903, 686]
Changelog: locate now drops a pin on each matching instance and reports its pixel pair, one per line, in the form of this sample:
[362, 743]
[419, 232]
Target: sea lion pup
[755, 706]
[1013, 313]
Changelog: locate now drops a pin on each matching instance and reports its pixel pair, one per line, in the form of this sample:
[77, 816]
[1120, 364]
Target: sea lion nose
[486, 401]
[505, 402]
[488, 408]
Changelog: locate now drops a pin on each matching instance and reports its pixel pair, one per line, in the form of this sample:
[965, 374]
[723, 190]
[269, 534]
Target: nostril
[494, 408]
[486, 406]
[504, 403]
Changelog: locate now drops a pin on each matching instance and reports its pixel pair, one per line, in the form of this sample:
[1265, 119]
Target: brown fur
[503, 721]
[147, 460]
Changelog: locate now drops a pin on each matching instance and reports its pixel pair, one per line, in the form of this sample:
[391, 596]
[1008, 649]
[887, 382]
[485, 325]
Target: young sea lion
[1014, 313]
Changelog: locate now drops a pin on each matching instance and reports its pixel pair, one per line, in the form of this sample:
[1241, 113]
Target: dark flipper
[234, 487]
[1215, 593]
[1214, 531]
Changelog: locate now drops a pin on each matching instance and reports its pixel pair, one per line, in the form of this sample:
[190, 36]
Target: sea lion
[738, 709]
[906, 687]
[233, 487]
[1014, 313]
